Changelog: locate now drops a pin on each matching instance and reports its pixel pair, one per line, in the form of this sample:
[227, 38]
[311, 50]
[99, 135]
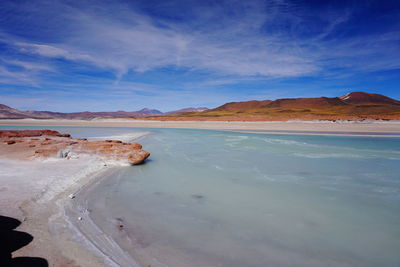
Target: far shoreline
[366, 128]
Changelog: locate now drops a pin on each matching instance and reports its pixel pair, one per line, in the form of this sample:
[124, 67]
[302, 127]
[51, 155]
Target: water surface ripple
[209, 198]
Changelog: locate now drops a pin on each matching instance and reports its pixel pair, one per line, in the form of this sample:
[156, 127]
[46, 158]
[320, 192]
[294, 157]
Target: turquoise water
[230, 199]
[212, 198]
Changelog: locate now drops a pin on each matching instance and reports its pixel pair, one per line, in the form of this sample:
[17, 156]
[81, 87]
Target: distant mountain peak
[5, 107]
[345, 97]
[150, 111]
[362, 97]
[357, 95]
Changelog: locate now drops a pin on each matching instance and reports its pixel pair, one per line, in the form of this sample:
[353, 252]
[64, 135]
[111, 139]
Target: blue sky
[125, 55]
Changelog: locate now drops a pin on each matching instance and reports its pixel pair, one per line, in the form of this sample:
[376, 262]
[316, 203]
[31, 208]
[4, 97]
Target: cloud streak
[235, 45]
[138, 43]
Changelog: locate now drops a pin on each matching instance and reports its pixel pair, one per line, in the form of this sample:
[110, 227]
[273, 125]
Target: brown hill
[321, 102]
[356, 105]
[366, 98]
[242, 106]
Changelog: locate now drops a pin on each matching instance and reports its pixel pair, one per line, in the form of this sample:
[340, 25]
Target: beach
[38, 192]
[356, 128]
[32, 193]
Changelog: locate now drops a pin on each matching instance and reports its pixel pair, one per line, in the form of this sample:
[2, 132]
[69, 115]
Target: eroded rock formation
[31, 133]
[48, 143]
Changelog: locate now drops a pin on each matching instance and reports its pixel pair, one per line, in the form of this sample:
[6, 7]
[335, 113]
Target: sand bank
[356, 128]
[36, 191]
[29, 193]
[90, 234]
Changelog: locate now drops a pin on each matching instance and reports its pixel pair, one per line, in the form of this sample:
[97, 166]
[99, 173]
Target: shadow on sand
[12, 240]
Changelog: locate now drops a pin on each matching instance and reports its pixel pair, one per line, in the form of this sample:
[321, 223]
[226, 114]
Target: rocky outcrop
[48, 143]
[31, 133]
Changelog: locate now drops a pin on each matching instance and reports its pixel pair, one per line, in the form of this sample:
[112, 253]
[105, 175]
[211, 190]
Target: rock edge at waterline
[48, 143]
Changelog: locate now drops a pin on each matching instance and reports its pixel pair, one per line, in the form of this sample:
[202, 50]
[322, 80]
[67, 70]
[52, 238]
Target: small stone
[71, 196]
[80, 218]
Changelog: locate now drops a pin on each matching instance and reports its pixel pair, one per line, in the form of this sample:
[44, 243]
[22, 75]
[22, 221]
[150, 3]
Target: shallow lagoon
[213, 198]
[209, 198]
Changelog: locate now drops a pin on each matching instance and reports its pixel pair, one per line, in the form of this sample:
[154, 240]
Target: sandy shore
[356, 128]
[31, 191]
[36, 192]
[90, 234]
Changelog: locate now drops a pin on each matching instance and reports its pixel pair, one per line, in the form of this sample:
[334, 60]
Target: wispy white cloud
[28, 65]
[21, 72]
[50, 51]
[16, 78]
[233, 45]
[137, 42]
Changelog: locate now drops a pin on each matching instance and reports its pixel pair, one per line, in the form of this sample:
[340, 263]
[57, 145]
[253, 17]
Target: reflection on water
[230, 199]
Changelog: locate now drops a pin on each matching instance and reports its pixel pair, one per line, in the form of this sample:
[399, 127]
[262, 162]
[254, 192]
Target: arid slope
[356, 105]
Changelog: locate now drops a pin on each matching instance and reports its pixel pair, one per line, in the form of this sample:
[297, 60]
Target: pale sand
[356, 128]
[36, 192]
[29, 193]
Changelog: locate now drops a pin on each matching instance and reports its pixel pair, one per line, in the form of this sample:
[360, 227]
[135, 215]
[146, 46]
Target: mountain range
[7, 112]
[355, 105]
